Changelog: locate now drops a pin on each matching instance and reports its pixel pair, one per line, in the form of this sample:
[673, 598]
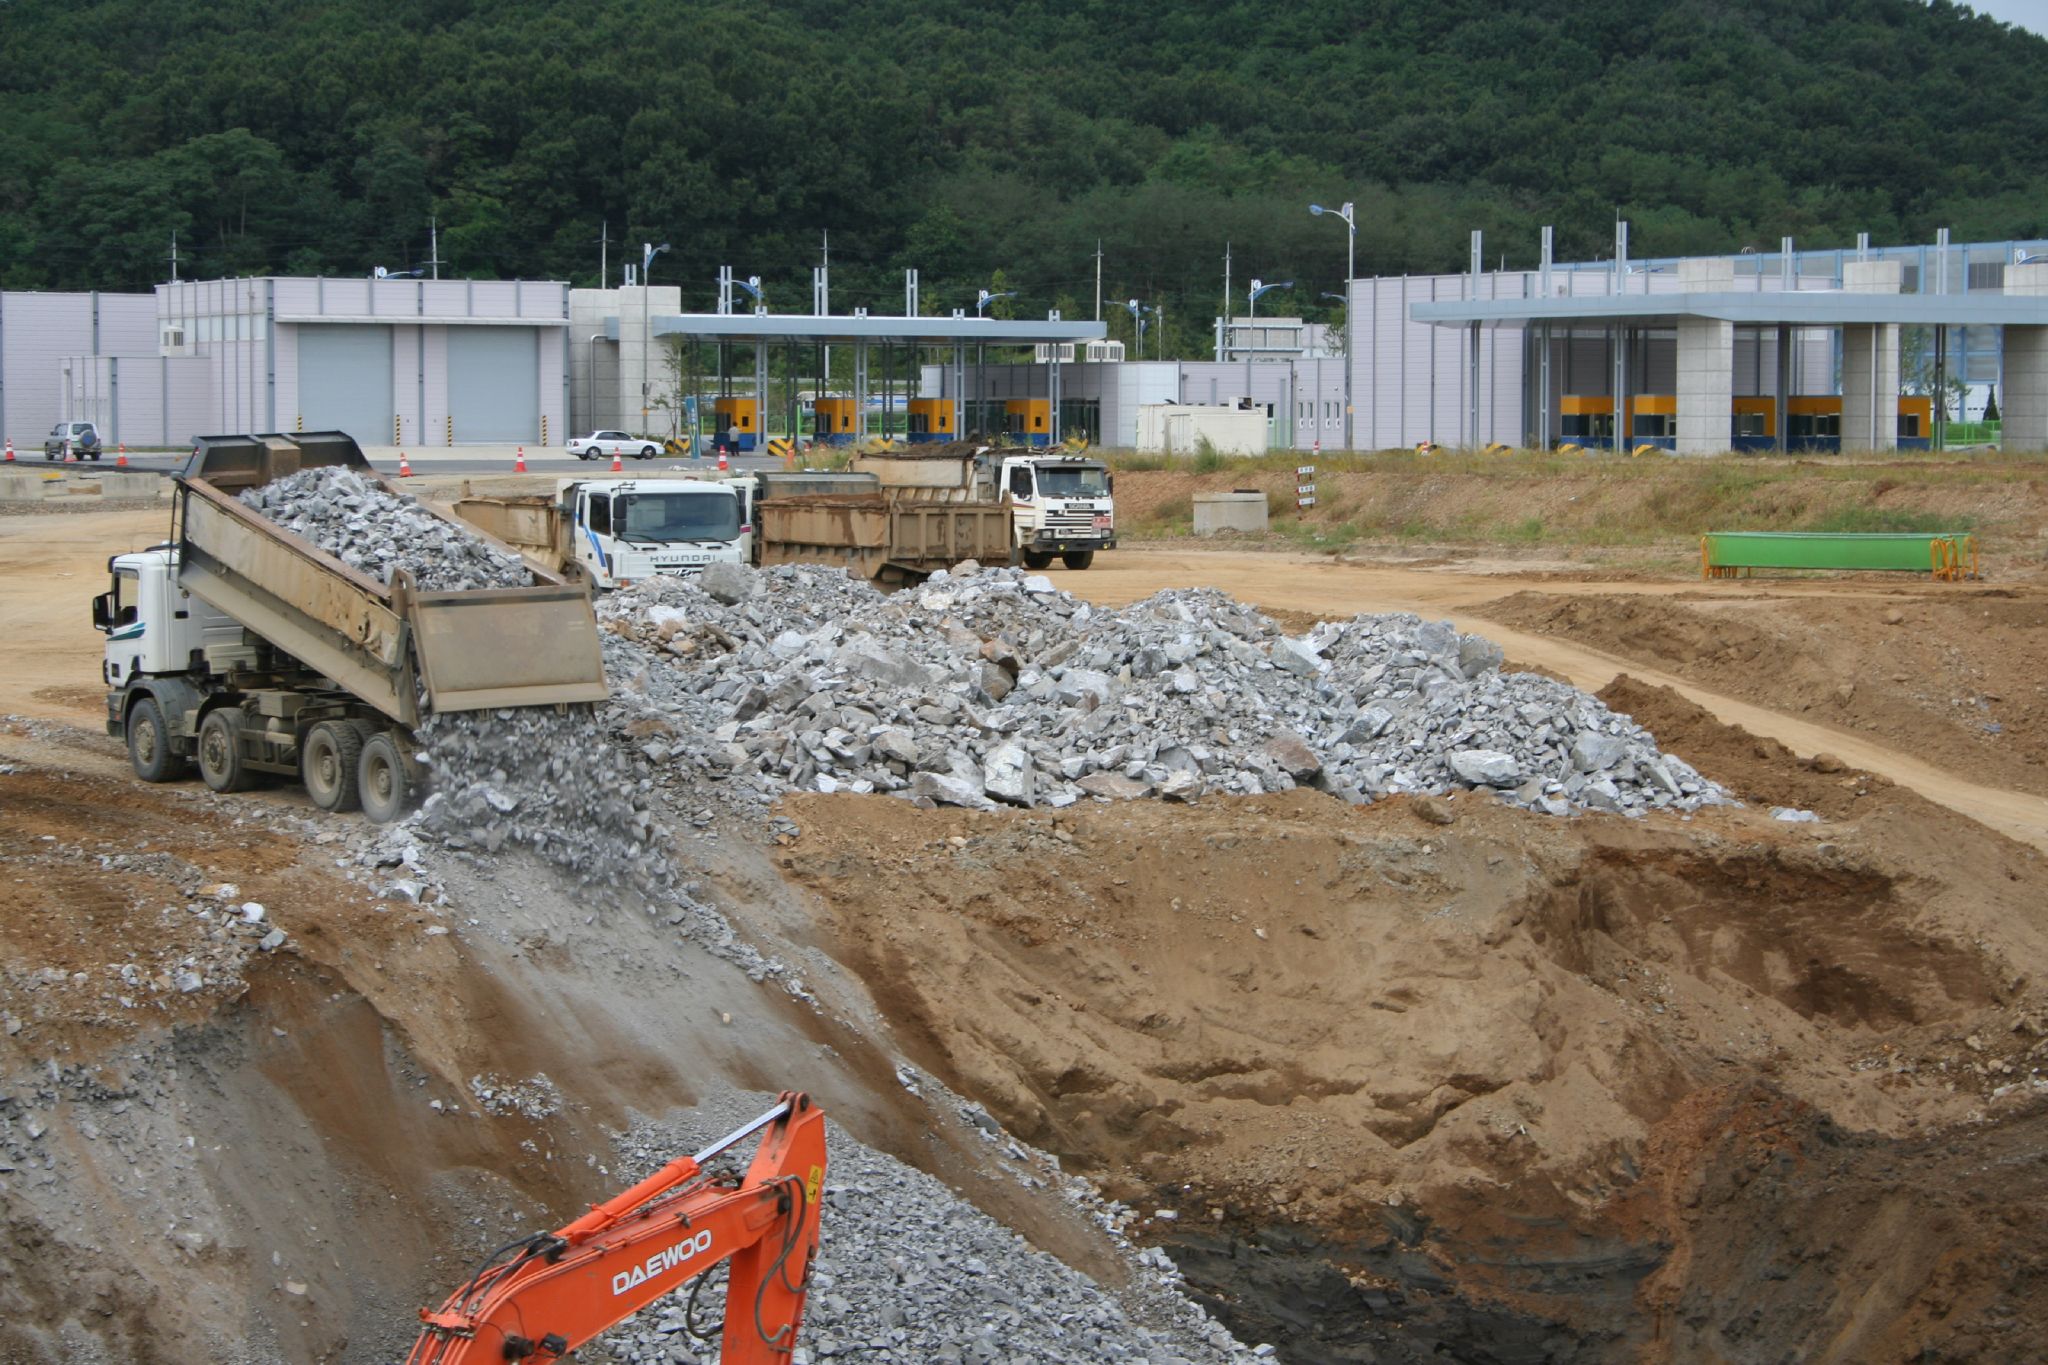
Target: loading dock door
[494, 383]
[345, 381]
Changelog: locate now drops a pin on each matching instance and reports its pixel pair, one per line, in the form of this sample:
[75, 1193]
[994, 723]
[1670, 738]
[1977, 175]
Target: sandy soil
[1417, 1031]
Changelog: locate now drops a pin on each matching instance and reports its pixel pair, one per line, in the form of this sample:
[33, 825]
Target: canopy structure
[961, 339]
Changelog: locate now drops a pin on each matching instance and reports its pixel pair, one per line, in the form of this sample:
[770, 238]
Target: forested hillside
[975, 136]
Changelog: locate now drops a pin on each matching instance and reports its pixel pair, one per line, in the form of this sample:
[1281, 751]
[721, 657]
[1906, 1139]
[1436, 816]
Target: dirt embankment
[1405, 1075]
[286, 1160]
[1653, 508]
[1958, 678]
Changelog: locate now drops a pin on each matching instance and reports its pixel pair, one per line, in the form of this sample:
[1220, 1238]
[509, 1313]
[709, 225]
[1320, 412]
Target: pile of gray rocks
[909, 1271]
[378, 532]
[988, 686]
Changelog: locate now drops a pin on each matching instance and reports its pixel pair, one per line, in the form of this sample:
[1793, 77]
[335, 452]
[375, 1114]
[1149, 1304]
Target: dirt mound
[1425, 1044]
[1761, 772]
[1953, 677]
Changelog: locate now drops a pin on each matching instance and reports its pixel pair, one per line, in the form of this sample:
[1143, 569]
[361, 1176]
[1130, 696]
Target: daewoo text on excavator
[543, 1296]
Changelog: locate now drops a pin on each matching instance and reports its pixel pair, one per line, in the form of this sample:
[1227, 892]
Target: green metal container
[1945, 555]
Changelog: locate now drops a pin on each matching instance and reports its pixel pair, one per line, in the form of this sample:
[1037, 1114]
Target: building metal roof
[844, 329]
[1794, 308]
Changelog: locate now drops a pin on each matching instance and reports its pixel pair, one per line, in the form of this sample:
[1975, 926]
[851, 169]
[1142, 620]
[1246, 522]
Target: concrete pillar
[641, 352]
[1870, 363]
[2023, 397]
[1706, 364]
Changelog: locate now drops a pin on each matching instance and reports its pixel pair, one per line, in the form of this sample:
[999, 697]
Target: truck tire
[383, 778]
[220, 752]
[1078, 559]
[149, 744]
[327, 765]
[1034, 560]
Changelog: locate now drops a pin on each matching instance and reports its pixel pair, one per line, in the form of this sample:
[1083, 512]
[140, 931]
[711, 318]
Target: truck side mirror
[103, 612]
[1109, 482]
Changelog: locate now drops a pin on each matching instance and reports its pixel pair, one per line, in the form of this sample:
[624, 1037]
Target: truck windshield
[1072, 481]
[676, 516]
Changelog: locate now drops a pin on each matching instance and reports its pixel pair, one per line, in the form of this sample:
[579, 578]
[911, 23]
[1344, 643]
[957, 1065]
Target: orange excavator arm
[544, 1296]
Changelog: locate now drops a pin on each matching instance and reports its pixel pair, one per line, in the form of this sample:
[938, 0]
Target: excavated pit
[1440, 1077]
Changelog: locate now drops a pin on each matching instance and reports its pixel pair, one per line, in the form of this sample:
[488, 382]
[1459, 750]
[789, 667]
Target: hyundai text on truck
[243, 649]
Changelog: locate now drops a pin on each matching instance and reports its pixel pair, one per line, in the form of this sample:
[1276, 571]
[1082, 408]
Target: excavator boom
[546, 1295]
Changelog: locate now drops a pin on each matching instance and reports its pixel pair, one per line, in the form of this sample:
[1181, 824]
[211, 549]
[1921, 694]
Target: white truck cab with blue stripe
[624, 530]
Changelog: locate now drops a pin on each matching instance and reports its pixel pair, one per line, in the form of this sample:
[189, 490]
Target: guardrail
[1733, 554]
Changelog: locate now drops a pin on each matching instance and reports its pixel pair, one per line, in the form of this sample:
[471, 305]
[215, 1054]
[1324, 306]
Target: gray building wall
[43, 334]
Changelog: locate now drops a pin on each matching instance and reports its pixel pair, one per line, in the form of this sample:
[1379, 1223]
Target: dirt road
[50, 568]
[1319, 586]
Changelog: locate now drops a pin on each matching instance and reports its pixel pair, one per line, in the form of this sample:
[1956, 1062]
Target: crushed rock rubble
[989, 686]
[910, 1271]
[378, 532]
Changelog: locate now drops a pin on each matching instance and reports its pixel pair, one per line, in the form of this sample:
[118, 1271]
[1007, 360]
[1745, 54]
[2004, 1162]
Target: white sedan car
[603, 445]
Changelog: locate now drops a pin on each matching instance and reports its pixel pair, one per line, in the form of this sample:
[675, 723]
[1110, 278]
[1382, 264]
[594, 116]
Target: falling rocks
[1290, 753]
[1477, 655]
[1006, 775]
[1595, 753]
[960, 786]
[1486, 767]
[1114, 786]
[728, 583]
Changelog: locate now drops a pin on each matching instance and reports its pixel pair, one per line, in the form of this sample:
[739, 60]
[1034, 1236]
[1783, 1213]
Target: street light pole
[1350, 216]
[648, 251]
[1251, 347]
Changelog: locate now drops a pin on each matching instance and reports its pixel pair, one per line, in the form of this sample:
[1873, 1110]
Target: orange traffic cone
[618, 463]
[70, 455]
[519, 464]
[723, 464]
[404, 468]
[122, 461]
[10, 450]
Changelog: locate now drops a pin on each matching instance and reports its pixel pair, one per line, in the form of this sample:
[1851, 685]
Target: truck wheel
[1034, 560]
[327, 765]
[1078, 559]
[149, 744]
[220, 752]
[383, 780]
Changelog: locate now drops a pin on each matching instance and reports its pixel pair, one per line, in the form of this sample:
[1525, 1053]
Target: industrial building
[398, 361]
[1761, 350]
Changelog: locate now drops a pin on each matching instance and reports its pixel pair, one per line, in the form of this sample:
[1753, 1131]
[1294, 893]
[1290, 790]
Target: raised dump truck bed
[388, 645]
[243, 649]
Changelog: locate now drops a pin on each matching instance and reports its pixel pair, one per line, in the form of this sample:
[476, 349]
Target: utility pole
[1223, 332]
[434, 231]
[604, 255]
[1098, 279]
[174, 255]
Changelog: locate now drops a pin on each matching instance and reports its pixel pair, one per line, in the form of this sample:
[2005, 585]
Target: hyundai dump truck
[611, 533]
[1060, 505]
[771, 518]
[245, 649]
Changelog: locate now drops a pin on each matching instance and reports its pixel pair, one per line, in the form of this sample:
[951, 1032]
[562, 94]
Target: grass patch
[1865, 520]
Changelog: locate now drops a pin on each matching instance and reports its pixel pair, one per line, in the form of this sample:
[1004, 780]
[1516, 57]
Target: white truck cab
[624, 530]
[1062, 506]
[153, 626]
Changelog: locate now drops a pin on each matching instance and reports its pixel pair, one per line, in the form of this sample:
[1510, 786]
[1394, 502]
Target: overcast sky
[2031, 14]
